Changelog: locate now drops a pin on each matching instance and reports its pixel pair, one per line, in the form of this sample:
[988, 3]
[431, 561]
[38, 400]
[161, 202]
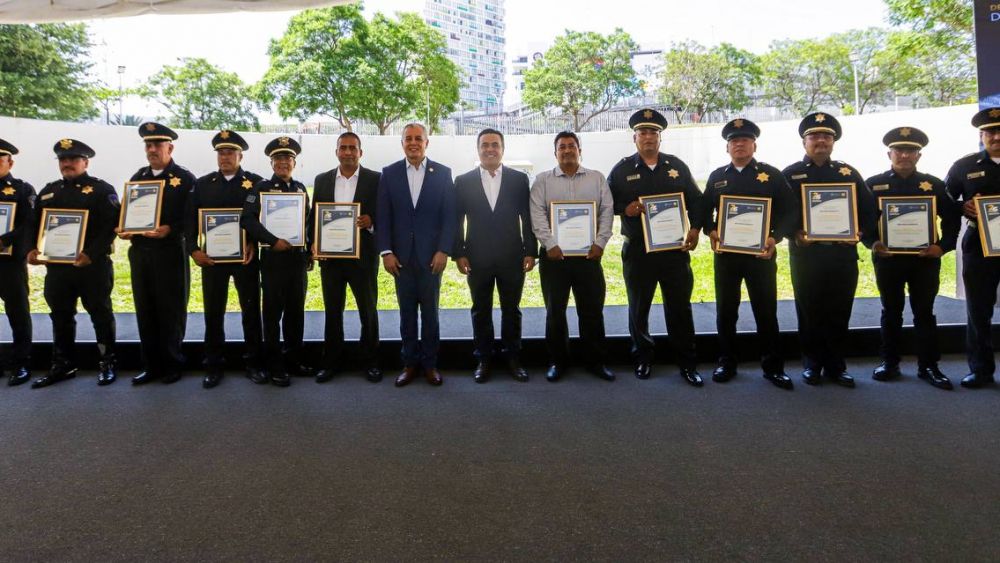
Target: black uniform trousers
[508, 279]
[981, 276]
[161, 284]
[14, 293]
[284, 281]
[362, 277]
[91, 285]
[731, 270]
[215, 292]
[671, 271]
[585, 279]
[923, 276]
[824, 279]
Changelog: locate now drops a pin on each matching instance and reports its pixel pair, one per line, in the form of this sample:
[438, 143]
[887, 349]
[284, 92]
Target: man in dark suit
[414, 233]
[494, 247]
[350, 182]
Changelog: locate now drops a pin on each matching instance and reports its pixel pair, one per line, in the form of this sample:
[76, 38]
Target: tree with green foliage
[43, 72]
[583, 74]
[948, 17]
[796, 74]
[334, 63]
[696, 79]
[200, 95]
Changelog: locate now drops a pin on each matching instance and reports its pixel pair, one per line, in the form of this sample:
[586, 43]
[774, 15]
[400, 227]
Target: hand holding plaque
[61, 235]
[830, 212]
[337, 233]
[907, 224]
[574, 226]
[142, 203]
[283, 214]
[220, 236]
[664, 222]
[744, 224]
[988, 223]
[7, 209]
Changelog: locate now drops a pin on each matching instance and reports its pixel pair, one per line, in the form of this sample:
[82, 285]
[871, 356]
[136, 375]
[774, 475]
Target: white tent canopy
[38, 11]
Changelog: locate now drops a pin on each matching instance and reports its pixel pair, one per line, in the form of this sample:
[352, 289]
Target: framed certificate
[830, 212]
[337, 234]
[744, 224]
[664, 221]
[7, 209]
[61, 235]
[284, 216]
[574, 225]
[220, 235]
[907, 224]
[142, 203]
[989, 223]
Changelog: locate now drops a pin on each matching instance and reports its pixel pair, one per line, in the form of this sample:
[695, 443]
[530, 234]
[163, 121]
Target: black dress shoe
[257, 376]
[373, 375]
[779, 379]
[975, 381]
[324, 375]
[812, 376]
[723, 373]
[554, 373]
[886, 372]
[55, 375]
[144, 378]
[106, 375]
[517, 371]
[643, 370]
[19, 376]
[299, 370]
[841, 378]
[280, 378]
[482, 373]
[212, 379]
[933, 375]
[692, 376]
[603, 372]
[171, 377]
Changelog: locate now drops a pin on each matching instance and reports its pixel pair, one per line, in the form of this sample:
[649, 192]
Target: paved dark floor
[583, 469]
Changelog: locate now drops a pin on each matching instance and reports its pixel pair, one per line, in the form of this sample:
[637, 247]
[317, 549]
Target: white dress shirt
[415, 177]
[491, 184]
[344, 188]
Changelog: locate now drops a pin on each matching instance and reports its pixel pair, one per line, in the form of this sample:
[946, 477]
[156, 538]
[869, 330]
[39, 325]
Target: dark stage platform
[579, 470]
[456, 333]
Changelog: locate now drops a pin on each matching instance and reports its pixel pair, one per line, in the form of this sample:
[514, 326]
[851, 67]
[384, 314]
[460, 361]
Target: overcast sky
[238, 42]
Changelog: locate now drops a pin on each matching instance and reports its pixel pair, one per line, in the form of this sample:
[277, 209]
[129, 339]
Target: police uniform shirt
[92, 194]
[757, 179]
[251, 208]
[215, 191]
[891, 184]
[177, 182]
[834, 171]
[972, 175]
[22, 194]
[632, 177]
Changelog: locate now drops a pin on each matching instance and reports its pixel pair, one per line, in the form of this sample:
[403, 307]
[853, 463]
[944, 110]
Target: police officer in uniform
[161, 280]
[745, 176]
[91, 277]
[972, 175]
[825, 274]
[226, 188]
[650, 172]
[920, 272]
[14, 245]
[283, 268]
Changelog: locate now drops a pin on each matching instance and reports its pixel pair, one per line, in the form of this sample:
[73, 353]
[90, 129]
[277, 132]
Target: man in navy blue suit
[415, 231]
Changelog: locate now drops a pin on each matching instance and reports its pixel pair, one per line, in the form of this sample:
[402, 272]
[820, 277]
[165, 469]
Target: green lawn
[455, 294]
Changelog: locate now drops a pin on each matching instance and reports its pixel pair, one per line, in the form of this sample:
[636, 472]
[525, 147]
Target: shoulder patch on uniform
[113, 198]
[251, 198]
[49, 195]
[972, 175]
[632, 177]
[799, 176]
[880, 187]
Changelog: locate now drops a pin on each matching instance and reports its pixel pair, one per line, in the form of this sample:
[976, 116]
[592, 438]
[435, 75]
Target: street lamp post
[857, 91]
[121, 73]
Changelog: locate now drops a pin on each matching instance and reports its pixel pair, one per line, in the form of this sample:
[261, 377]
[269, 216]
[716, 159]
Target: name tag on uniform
[799, 176]
[721, 184]
[632, 177]
[48, 196]
[880, 187]
[972, 175]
